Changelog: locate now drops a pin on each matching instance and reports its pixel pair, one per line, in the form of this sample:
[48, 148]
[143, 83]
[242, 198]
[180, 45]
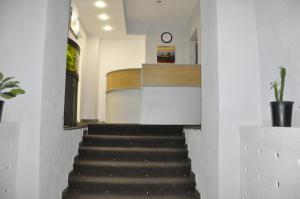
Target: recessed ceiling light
[100, 4]
[103, 17]
[107, 28]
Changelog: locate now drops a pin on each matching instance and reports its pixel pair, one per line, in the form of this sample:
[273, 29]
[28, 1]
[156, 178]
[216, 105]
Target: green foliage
[72, 57]
[274, 85]
[8, 88]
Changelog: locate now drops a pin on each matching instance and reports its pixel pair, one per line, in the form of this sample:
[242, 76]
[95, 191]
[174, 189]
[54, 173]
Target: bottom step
[75, 195]
[132, 185]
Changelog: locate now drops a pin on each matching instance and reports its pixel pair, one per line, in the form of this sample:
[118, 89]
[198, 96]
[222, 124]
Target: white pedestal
[9, 139]
[270, 163]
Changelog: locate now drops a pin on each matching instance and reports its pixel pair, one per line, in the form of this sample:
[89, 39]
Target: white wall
[230, 91]
[153, 39]
[115, 55]
[45, 150]
[279, 44]
[22, 38]
[194, 24]
[203, 145]
[57, 147]
[90, 78]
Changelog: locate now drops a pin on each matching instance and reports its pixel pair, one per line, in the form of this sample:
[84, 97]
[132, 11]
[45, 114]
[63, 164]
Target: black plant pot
[1, 108]
[282, 113]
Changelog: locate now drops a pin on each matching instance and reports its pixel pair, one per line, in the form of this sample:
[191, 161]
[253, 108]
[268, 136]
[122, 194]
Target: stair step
[76, 195]
[129, 129]
[134, 141]
[132, 162]
[137, 169]
[132, 154]
[118, 185]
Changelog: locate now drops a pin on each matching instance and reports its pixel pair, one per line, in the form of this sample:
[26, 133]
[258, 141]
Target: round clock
[166, 37]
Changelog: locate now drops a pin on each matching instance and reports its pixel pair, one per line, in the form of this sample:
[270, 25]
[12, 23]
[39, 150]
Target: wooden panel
[171, 75]
[123, 79]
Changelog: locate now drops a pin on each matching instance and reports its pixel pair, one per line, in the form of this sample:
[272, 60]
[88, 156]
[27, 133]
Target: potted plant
[8, 89]
[281, 110]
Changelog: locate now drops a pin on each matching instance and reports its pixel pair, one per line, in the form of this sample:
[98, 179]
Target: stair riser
[132, 171]
[137, 133]
[151, 189]
[136, 129]
[76, 195]
[162, 143]
[132, 156]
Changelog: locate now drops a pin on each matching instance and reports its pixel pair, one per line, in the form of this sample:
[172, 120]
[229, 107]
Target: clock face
[166, 37]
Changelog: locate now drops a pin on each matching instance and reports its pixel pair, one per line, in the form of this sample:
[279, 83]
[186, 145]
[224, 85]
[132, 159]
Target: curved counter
[154, 94]
[123, 79]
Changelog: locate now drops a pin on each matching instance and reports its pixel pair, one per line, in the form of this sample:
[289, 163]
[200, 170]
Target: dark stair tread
[134, 141]
[131, 164]
[131, 149]
[133, 153]
[135, 129]
[76, 195]
[131, 180]
[137, 137]
[132, 168]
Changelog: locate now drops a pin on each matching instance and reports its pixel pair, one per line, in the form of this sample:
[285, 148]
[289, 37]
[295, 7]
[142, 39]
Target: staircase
[132, 162]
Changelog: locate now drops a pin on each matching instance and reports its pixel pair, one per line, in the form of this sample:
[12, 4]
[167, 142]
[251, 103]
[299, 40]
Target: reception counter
[155, 75]
[123, 79]
[155, 94]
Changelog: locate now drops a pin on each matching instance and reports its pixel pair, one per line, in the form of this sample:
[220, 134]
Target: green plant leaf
[7, 95]
[11, 84]
[72, 58]
[9, 89]
[274, 85]
[6, 79]
[17, 91]
[282, 83]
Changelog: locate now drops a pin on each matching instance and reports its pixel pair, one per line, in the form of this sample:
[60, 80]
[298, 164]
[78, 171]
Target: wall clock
[166, 37]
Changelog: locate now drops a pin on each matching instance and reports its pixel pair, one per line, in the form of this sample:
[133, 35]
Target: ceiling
[136, 11]
[88, 14]
[168, 11]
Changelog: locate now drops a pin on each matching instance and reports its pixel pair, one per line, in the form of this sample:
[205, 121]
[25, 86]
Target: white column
[239, 86]
[90, 78]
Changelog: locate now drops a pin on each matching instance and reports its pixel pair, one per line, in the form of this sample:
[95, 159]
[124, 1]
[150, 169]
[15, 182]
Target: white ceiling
[169, 11]
[137, 11]
[88, 14]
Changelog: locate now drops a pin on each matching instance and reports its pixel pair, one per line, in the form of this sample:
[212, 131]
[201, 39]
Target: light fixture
[100, 4]
[107, 28]
[158, 1]
[103, 17]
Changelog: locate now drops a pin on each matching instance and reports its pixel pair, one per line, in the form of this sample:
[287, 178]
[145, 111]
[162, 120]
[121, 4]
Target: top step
[135, 129]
